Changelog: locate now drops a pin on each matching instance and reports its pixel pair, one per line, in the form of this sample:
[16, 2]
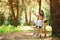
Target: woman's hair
[42, 14]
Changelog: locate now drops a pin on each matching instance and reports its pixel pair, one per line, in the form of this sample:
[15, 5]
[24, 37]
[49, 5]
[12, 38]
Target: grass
[9, 29]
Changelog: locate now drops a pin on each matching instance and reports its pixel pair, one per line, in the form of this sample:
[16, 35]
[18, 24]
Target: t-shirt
[39, 23]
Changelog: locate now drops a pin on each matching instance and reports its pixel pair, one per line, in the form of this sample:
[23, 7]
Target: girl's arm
[36, 15]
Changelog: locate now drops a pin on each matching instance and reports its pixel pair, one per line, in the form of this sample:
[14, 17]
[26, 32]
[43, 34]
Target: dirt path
[22, 36]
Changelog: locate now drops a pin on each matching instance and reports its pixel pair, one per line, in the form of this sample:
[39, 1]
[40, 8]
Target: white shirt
[39, 23]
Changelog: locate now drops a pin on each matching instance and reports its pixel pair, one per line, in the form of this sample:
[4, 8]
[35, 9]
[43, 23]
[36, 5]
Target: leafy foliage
[8, 29]
[30, 6]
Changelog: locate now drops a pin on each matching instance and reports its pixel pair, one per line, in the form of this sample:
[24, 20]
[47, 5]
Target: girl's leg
[39, 32]
[34, 30]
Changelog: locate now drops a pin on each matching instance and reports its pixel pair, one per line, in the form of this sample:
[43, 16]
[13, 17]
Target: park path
[22, 36]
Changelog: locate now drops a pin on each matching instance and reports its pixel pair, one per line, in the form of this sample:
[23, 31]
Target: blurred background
[18, 15]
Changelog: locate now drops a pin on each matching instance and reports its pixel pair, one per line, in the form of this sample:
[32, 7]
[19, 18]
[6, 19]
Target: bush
[8, 29]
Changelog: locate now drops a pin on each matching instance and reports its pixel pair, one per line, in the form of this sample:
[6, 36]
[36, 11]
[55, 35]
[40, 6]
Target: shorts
[45, 21]
[38, 27]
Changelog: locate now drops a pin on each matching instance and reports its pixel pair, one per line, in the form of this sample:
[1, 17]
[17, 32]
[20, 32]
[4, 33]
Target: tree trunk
[55, 17]
[39, 1]
[12, 10]
[30, 18]
[26, 18]
[39, 6]
[17, 7]
[14, 18]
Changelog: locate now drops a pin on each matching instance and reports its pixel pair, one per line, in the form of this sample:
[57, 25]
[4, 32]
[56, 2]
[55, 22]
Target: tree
[2, 18]
[30, 17]
[39, 1]
[14, 15]
[26, 18]
[26, 3]
[55, 17]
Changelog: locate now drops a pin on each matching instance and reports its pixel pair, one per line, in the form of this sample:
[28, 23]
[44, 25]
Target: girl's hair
[42, 14]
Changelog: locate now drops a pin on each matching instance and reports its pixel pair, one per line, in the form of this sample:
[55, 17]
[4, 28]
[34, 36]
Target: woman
[44, 22]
